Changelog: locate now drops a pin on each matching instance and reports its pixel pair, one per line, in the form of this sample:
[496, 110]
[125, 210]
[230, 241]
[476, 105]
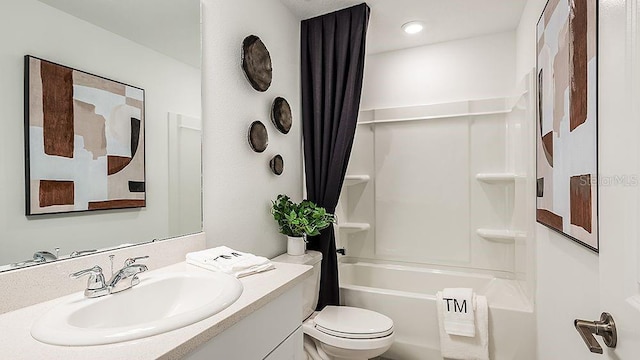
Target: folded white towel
[458, 312]
[462, 347]
[229, 261]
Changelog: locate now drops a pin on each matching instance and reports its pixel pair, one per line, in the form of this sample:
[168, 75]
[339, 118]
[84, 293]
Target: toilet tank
[311, 285]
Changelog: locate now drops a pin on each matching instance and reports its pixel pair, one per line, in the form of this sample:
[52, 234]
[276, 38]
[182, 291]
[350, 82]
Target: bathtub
[407, 295]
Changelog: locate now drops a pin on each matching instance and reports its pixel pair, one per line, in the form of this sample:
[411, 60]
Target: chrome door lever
[606, 328]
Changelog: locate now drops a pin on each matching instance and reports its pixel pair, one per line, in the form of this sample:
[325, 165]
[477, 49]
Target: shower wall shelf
[350, 180]
[468, 108]
[503, 236]
[350, 228]
[492, 178]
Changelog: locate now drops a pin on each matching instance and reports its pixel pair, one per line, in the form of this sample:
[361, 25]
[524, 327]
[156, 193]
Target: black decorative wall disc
[277, 165]
[256, 63]
[281, 115]
[258, 136]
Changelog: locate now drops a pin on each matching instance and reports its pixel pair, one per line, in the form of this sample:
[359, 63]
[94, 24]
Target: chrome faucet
[44, 256]
[39, 257]
[123, 279]
[127, 277]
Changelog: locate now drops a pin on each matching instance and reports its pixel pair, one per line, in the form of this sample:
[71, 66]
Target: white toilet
[338, 332]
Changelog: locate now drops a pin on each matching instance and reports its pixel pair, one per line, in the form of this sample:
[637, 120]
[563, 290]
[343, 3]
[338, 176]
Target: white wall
[476, 68]
[567, 274]
[526, 40]
[30, 27]
[238, 184]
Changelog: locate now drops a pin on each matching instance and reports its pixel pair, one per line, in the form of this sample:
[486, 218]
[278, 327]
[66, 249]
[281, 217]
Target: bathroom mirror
[150, 44]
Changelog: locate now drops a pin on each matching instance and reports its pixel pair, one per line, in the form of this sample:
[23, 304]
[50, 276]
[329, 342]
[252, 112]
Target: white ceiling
[444, 20]
[171, 27]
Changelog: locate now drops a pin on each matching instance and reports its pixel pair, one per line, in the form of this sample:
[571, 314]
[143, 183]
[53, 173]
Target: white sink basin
[160, 303]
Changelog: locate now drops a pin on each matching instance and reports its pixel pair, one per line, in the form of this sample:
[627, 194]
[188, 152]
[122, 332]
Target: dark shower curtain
[332, 56]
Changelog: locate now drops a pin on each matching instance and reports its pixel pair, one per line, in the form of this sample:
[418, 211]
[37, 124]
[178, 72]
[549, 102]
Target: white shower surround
[426, 198]
[456, 104]
[397, 272]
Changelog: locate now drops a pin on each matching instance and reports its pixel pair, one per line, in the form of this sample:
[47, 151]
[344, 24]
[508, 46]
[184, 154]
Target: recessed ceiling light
[413, 27]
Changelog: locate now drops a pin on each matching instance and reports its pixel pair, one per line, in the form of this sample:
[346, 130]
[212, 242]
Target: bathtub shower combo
[435, 197]
[407, 295]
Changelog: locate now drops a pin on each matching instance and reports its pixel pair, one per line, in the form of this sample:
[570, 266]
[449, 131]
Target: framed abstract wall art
[84, 141]
[567, 116]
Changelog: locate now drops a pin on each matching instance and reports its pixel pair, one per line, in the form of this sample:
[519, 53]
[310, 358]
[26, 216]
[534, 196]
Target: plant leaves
[300, 219]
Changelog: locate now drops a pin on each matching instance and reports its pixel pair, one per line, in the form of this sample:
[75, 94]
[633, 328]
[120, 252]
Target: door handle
[606, 328]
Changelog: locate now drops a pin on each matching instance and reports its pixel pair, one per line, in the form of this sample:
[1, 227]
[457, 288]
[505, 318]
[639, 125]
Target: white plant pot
[296, 246]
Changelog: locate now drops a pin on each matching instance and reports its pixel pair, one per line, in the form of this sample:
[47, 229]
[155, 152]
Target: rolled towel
[463, 347]
[457, 305]
[229, 261]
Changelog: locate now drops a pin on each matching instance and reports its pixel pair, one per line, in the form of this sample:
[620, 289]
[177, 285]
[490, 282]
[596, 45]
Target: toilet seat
[353, 323]
[309, 328]
[355, 336]
[348, 339]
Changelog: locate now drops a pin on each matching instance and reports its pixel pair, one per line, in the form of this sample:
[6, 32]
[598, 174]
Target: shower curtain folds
[332, 56]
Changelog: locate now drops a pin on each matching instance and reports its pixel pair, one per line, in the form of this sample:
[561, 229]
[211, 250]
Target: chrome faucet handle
[24, 263]
[95, 276]
[131, 261]
[127, 277]
[96, 285]
[81, 252]
[94, 270]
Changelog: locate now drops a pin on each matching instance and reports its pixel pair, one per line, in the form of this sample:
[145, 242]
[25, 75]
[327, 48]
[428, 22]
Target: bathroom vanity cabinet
[271, 333]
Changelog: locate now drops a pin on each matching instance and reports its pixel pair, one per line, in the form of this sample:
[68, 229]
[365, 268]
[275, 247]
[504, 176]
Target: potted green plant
[298, 221]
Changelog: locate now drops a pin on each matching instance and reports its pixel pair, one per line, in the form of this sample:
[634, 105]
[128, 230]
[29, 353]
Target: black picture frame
[135, 186]
[593, 180]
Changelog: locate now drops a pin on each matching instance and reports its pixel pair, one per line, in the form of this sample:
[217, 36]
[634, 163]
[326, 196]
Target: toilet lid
[353, 323]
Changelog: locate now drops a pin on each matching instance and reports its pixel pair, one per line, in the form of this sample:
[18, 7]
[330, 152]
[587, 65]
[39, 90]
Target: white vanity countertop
[259, 289]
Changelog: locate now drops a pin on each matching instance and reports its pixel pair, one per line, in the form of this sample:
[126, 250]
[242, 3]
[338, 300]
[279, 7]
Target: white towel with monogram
[463, 318]
[457, 305]
[229, 261]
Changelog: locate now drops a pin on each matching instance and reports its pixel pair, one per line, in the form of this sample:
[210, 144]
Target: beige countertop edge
[259, 290]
